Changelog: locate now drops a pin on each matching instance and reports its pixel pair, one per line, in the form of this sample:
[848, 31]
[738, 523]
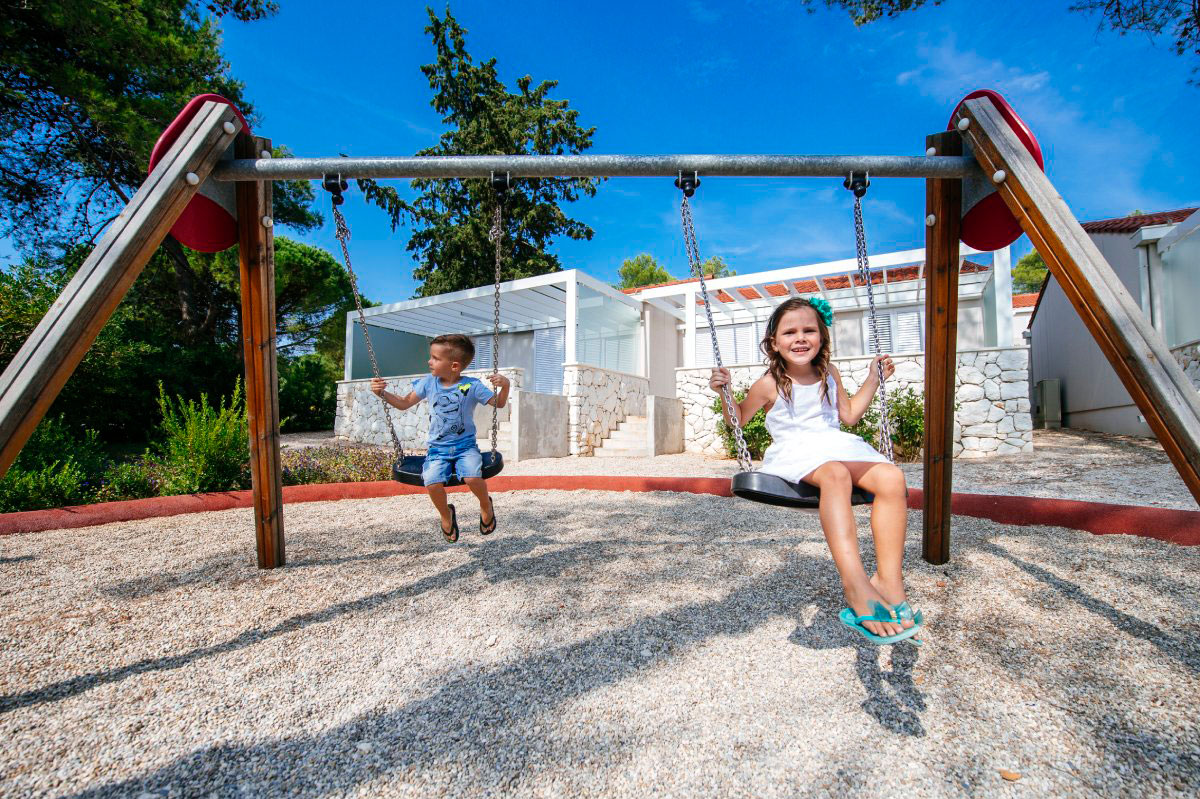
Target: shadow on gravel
[17, 559]
[1187, 655]
[475, 730]
[893, 699]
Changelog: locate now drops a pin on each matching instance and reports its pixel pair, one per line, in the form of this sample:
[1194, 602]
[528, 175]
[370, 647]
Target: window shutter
[884, 324]
[549, 350]
[483, 353]
[908, 336]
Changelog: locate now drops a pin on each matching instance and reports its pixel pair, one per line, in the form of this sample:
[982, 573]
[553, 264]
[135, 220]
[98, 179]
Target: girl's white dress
[805, 434]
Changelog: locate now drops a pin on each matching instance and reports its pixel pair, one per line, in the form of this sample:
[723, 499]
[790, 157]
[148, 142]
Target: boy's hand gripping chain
[858, 184]
[688, 185]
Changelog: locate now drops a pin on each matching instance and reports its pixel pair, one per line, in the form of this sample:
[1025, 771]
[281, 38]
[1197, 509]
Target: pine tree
[451, 218]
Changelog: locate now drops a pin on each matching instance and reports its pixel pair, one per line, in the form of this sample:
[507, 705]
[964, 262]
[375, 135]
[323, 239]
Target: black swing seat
[407, 470]
[772, 490]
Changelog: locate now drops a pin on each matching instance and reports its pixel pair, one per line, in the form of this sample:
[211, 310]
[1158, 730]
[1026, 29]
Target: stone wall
[598, 400]
[992, 391]
[1188, 356]
[360, 414]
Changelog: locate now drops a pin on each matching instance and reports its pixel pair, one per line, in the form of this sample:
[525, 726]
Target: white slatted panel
[907, 336]
[884, 324]
[483, 353]
[549, 350]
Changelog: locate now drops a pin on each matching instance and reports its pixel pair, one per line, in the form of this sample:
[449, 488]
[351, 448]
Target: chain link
[693, 252]
[496, 234]
[864, 273]
[343, 235]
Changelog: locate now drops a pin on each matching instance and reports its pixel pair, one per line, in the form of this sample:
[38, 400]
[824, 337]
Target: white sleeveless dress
[805, 434]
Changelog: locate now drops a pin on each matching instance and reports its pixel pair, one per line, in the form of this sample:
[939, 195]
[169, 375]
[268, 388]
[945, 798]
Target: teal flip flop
[883, 614]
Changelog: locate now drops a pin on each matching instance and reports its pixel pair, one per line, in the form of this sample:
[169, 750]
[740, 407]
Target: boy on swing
[452, 446]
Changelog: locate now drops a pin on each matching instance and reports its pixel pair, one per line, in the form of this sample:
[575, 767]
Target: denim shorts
[465, 461]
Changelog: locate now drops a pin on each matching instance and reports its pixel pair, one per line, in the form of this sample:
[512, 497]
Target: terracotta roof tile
[1024, 300]
[1131, 224]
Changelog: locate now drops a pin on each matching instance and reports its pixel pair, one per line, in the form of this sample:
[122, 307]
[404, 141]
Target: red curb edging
[1164, 524]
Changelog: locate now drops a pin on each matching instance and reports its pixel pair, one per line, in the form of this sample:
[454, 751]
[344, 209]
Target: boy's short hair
[460, 345]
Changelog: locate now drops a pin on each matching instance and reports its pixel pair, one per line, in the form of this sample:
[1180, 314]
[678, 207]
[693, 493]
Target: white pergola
[753, 296]
[526, 304]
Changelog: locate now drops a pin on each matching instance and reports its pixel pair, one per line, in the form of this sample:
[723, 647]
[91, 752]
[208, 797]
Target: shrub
[136, 479]
[754, 431]
[54, 468]
[906, 416]
[203, 448]
[336, 465]
[51, 486]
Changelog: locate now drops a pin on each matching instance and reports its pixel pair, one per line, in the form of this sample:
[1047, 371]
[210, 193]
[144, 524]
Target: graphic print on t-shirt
[447, 421]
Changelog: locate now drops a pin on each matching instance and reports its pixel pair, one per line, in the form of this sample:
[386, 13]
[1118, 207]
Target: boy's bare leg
[479, 488]
[437, 493]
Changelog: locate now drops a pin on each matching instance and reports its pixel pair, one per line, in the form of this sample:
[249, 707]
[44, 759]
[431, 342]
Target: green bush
[754, 431]
[906, 416]
[51, 486]
[203, 448]
[54, 468]
[307, 393]
[136, 479]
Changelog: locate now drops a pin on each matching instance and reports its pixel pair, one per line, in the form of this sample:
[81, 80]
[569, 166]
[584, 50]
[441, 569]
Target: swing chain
[693, 252]
[858, 184]
[335, 186]
[500, 187]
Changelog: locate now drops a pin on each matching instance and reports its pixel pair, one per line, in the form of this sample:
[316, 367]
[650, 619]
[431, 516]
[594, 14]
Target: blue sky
[1115, 115]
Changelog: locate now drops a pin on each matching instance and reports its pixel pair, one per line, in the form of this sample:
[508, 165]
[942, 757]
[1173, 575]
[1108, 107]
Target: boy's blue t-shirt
[452, 408]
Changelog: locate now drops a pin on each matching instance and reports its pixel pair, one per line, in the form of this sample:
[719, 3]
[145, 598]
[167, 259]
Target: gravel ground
[601, 644]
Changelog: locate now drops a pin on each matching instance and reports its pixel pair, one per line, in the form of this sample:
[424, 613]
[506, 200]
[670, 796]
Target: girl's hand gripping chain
[720, 377]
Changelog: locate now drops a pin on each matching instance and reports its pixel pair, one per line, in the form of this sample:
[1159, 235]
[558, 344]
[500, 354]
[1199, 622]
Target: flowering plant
[821, 306]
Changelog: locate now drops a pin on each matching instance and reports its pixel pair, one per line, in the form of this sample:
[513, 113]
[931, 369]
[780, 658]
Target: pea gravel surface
[600, 644]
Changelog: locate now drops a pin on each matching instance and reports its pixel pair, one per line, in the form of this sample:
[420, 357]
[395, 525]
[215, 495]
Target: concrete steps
[483, 436]
[628, 440]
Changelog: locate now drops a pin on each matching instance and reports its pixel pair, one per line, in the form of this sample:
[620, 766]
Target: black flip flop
[490, 528]
[452, 535]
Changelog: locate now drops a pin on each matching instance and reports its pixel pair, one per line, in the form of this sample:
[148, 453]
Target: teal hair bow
[821, 306]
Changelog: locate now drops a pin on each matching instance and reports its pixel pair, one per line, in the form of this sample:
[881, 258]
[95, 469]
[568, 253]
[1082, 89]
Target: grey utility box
[1047, 404]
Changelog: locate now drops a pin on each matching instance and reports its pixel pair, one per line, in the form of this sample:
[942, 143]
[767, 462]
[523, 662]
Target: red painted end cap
[988, 224]
[209, 222]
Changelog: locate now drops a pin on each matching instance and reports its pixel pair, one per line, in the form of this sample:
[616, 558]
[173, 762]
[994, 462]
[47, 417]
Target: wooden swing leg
[943, 202]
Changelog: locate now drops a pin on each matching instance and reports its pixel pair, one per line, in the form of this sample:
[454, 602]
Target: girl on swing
[805, 401]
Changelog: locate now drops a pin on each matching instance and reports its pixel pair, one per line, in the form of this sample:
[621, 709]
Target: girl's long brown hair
[776, 365]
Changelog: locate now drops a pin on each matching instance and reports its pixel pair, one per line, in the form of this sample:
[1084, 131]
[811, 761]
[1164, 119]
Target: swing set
[210, 184]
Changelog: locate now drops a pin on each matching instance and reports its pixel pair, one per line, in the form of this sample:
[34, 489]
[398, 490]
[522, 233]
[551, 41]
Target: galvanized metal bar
[569, 166]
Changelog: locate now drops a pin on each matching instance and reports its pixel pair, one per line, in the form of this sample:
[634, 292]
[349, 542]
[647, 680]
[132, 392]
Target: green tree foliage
[451, 218]
[642, 270]
[716, 267]
[1177, 19]
[1029, 273]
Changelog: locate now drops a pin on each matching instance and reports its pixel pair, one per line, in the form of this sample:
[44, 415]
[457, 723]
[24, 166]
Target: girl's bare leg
[841, 534]
[889, 523]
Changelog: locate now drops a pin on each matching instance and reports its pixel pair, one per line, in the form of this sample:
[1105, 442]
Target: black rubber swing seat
[407, 470]
[772, 490]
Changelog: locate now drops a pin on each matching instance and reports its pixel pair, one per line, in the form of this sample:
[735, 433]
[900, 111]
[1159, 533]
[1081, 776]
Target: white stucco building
[626, 371]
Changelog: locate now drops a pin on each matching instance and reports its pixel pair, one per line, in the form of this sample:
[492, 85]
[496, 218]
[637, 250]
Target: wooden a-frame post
[1137, 352]
[35, 376]
[256, 254]
[943, 215]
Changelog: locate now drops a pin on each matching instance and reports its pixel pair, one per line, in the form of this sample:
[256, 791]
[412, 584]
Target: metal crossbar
[579, 166]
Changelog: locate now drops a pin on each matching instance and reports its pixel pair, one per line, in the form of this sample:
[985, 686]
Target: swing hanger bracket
[857, 182]
[501, 183]
[333, 183]
[687, 183]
